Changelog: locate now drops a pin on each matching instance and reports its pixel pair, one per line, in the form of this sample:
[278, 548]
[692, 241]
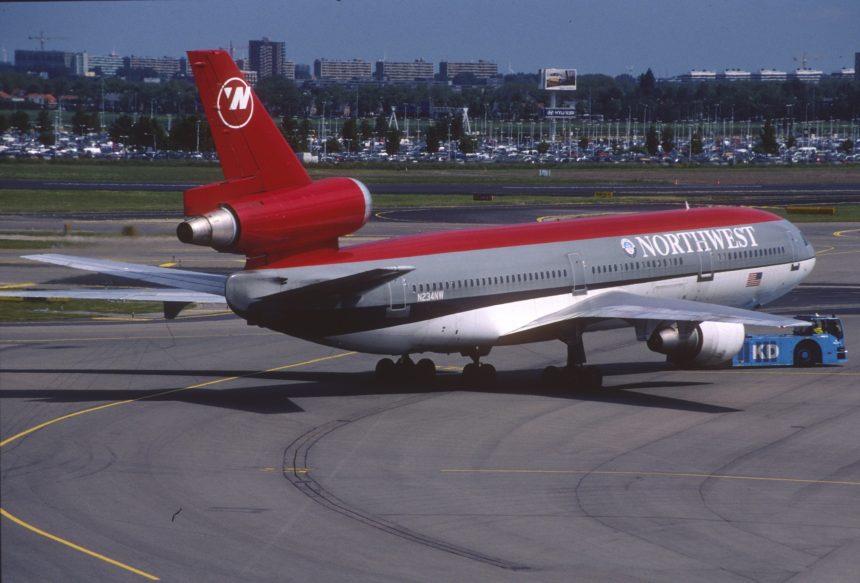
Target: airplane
[687, 281]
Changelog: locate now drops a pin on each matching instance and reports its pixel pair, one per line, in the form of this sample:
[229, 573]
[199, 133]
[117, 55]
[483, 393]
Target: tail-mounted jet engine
[703, 344]
[281, 220]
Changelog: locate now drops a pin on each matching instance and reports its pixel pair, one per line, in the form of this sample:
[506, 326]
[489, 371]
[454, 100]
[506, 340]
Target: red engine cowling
[282, 220]
[706, 344]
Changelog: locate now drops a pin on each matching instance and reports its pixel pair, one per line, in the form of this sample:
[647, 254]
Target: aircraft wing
[205, 283]
[628, 306]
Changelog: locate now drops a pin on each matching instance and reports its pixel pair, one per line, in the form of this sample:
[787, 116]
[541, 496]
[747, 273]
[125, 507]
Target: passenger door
[577, 273]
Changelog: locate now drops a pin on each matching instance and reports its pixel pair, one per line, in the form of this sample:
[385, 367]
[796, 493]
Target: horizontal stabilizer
[207, 283]
[141, 294]
[628, 306]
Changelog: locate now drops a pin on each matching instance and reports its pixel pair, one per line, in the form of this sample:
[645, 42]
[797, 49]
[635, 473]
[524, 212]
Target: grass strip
[34, 309]
[60, 201]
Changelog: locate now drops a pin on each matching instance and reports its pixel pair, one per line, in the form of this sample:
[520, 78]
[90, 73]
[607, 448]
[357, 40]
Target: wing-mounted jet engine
[702, 344]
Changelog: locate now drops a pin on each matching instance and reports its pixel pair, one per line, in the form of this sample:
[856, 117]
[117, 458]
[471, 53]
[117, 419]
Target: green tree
[432, 139]
[696, 145]
[366, 129]
[392, 141]
[467, 145]
[148, 133]
[457, 130]
[647, 82]
[20, 121]
[120, 129]
[543, 148]
[847, 146]
[332, 146]
[790, 141]
[667, 138]
[381, 128]
[651, 141]
[583, 142]
[4, 124]
[295, 133]
[767, 138]
[184, 134]
[304, 135]
[349, 133]
[43, 120]
[83, 123]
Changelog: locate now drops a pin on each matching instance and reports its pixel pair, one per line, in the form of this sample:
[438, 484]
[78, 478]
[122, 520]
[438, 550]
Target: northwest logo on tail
[235, 103]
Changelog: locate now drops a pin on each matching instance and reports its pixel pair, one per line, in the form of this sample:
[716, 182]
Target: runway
[205, 449]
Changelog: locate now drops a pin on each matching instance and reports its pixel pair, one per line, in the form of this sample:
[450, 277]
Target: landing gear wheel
[425, 371]
[470, 373]
[479, 374]
[386, 370]
[486, 375]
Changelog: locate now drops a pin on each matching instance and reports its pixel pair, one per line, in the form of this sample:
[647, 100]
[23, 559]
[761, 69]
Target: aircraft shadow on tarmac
[273, 398]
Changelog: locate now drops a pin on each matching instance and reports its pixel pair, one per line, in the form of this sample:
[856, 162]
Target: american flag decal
[753, 279]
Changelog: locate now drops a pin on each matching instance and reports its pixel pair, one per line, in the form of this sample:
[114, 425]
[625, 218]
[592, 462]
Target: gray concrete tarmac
[229, 453]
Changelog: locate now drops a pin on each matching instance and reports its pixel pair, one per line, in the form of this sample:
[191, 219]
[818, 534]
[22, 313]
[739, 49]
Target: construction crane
[42, 38]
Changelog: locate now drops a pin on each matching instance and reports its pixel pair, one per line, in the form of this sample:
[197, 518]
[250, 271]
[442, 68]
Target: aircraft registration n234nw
[687, 281]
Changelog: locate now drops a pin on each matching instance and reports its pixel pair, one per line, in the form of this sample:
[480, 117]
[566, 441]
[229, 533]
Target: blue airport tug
[822, 342]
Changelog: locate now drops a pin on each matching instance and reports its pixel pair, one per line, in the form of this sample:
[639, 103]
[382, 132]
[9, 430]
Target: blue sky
[603, 36]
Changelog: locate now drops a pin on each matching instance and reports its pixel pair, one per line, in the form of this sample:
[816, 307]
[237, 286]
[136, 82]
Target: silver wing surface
[629, 306]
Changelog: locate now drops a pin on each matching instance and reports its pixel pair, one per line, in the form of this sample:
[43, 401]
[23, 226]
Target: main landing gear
[477, 373]
[576, 374]
[405, 369]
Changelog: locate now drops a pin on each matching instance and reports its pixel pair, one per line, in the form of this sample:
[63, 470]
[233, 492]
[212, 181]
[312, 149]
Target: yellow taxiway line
[6, 514]
[842, 233]
[78, 548]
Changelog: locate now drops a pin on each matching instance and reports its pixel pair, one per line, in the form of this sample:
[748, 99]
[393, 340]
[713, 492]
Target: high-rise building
[481, 69]
[52, 63]
[734, 75]
[807, 75]
[765, 75]
[418, 70]
[267, 57]
[327, 70]
[696, 76]
[105, 65]
[165, 67]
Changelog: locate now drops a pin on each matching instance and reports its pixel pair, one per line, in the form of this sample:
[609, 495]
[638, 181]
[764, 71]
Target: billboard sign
[558, 79]
[563, 112]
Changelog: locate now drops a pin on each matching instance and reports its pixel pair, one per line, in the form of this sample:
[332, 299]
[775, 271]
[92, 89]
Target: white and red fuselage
[479, 287]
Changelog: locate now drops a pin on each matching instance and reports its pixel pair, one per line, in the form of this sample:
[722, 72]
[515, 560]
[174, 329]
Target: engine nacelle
[282, 220]
[706, 344]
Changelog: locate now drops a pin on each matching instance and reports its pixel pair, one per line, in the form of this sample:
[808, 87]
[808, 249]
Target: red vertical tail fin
[254, 155]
